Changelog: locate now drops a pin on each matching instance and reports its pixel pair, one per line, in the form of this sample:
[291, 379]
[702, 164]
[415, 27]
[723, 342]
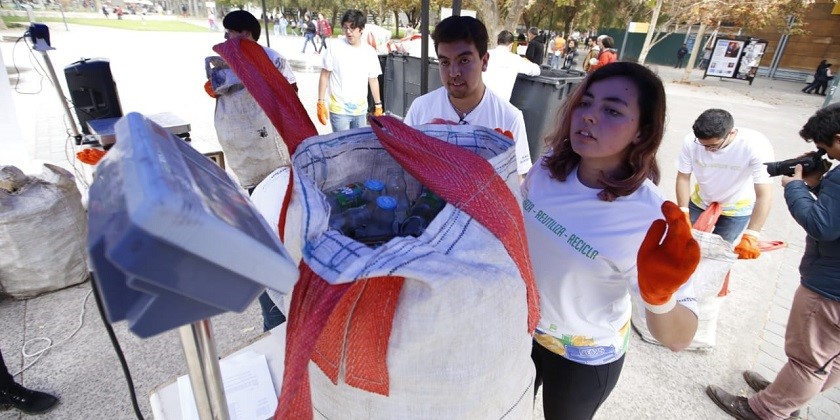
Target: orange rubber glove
[377, 111]
[506, 133]
[664, 267]
[90, 156]
[323, 115]
[208, 87]
[748, 248]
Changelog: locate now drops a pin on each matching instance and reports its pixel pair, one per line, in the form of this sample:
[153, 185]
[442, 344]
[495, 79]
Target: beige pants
[812, 338]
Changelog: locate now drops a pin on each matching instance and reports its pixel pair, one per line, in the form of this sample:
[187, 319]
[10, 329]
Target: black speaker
[92, 90]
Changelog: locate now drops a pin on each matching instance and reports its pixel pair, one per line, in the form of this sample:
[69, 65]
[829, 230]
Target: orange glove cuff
[664, 267]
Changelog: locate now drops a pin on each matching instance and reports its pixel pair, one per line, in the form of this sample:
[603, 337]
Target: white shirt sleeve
[684, 162]
[520, 138]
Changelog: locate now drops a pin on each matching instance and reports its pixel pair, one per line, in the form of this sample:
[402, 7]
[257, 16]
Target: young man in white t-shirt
[349, 67]
[461, 45]
[728, 164]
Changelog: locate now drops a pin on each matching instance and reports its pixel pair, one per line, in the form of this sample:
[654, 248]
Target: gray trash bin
[402, 81]
[539, 98]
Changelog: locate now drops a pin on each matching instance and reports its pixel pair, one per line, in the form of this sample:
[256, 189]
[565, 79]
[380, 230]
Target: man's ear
[484, 61]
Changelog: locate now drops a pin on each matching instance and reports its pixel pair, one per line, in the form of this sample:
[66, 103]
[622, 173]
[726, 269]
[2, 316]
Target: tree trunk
[653, 18]
[694, 49]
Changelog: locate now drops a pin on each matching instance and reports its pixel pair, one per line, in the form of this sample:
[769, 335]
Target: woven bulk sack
[437, 326]
[253, 147]
[454, 300]
[43, 230]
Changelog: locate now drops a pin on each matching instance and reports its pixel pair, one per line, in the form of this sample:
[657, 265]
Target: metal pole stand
[76, 135]
[203, 366]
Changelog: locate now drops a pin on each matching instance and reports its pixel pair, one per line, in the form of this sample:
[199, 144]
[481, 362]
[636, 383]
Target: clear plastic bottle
[395, 187]
[382, 219]
[374, 188]
[425, 208]
[352, 222]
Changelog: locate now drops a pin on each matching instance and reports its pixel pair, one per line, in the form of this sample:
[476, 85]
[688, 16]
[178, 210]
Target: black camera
[810, 162]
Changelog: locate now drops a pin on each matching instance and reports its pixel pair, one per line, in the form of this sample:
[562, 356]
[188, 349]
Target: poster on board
[751, 58]
[725, 57]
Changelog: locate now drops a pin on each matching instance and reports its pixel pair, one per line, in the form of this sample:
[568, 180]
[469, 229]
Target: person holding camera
[812, 337]
[728, 164]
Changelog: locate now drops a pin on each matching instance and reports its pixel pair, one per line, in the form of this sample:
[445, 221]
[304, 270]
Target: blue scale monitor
[172, 238]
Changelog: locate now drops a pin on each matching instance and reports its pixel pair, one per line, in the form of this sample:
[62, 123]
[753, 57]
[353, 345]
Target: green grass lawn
[130, 24]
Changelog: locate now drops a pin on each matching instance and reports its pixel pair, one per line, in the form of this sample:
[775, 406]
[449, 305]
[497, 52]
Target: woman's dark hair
[240, 21]
[640, 161]
[462, 28]
[823, 127]
[356, 18]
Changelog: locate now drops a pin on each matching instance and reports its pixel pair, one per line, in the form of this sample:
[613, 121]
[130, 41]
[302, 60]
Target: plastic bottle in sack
[395, 187]
[374, 188]
[346, 197]
[380, 227]
[427, 206]
[351, 222]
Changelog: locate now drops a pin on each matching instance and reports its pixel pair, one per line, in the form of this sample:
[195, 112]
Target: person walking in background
[812, 337]
[105, 11]
[592, 53]
[819, 74]
[681, 53]
[536, 49]
[829, 76]
[606, 55]
[284, 24]
[728, 164]
[309, 28]
[570, 55]
[324, 31]
[348, 69]
[461, 44]
[556, 51]
[707, 56]
[503, 67]
[211, 20]
[276, 24]
[13, 395]
[593, 219]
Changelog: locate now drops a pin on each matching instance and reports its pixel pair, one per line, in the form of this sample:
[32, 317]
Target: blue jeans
[307, 38]
[272, 315]
[341, 122]
[728, 227]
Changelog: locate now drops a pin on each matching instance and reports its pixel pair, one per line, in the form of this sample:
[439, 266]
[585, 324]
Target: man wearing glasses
[728, 164]
[349, 67]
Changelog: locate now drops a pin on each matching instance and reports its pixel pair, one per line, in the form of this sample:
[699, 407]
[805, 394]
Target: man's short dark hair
[713, 124]
[533, 31]
[823, 127]
[607, 42]
[504, 38]
[241, 20]
[462, 28]
[356, 18]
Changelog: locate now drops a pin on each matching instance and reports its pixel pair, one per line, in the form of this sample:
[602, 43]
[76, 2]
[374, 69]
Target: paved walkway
[158, 72]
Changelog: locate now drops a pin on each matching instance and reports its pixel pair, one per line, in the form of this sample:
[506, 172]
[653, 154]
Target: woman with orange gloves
[593, 216]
